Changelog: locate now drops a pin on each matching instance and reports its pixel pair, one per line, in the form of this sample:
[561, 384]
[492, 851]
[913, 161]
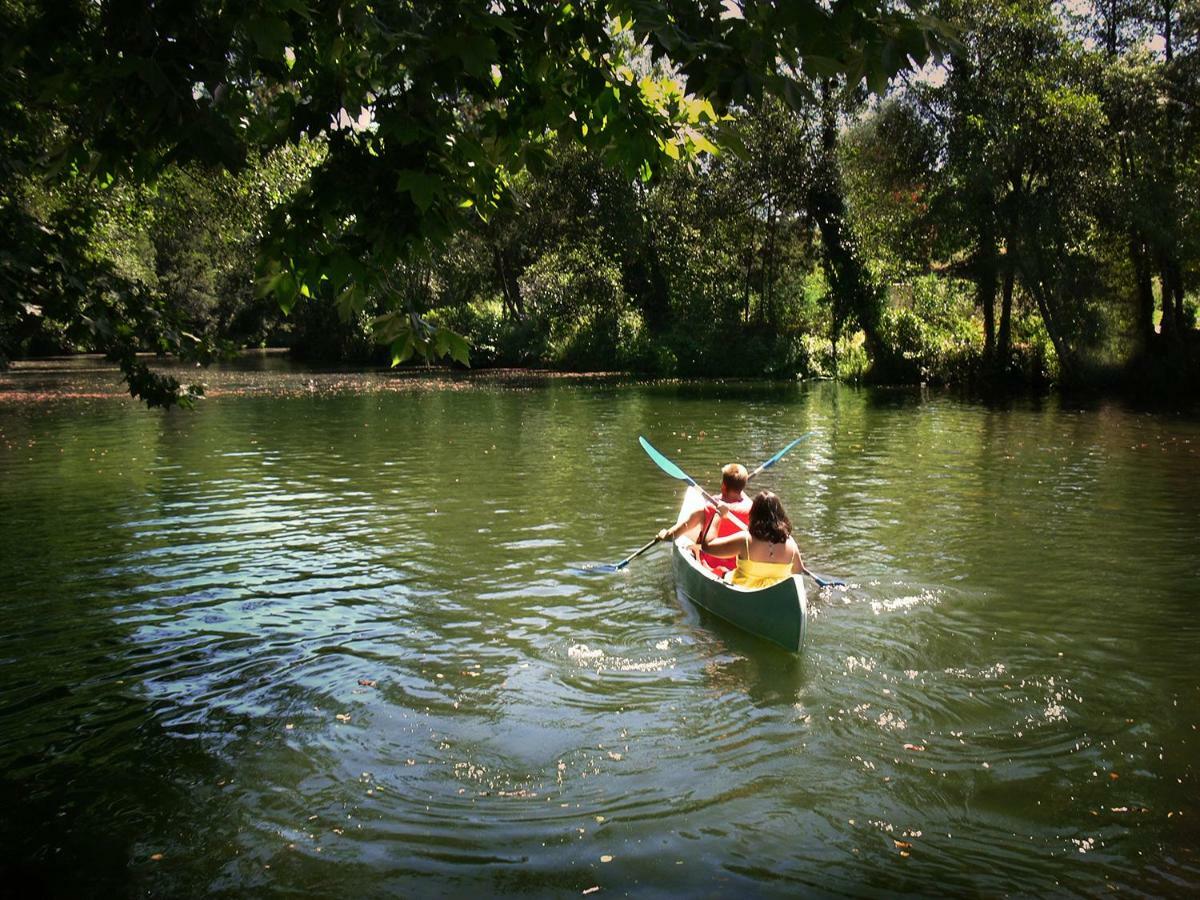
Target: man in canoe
[699, 522]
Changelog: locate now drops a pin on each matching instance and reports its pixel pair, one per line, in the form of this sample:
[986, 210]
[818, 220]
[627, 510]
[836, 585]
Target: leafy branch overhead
[417, 116]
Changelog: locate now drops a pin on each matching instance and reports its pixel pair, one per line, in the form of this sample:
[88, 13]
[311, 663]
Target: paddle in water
[617, 567]
[677, 473]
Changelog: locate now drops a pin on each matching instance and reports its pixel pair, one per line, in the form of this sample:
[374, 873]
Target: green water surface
[322, 636]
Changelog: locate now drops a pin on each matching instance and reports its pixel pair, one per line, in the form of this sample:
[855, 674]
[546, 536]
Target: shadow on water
[95, 784]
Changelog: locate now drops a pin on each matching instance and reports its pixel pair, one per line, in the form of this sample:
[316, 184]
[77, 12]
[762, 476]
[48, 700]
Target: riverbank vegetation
[615, 193]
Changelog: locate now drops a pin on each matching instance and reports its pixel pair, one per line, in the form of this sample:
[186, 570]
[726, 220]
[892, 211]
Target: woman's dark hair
[768, 521]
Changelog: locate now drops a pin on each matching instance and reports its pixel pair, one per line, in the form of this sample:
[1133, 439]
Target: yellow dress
[752, 574]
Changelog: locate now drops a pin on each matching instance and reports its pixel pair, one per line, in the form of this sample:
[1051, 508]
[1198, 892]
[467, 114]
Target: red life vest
[725, 527]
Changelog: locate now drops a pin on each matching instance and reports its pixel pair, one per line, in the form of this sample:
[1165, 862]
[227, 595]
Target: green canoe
[778, 613]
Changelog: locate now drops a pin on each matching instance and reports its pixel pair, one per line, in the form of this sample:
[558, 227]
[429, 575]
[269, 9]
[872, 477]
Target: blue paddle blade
[597, 569]
[784, 452]
[663, 463]
[826, 582]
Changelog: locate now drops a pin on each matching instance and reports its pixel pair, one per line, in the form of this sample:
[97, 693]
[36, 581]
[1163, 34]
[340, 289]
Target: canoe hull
[778, 613]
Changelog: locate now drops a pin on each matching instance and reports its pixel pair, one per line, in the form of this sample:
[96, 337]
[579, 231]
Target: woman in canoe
[767, 553]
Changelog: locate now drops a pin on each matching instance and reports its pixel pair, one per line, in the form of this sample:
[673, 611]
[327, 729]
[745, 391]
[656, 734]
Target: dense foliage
[544, 181]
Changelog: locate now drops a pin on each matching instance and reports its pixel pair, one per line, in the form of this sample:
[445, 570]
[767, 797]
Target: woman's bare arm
[797, 559]
[726, 546]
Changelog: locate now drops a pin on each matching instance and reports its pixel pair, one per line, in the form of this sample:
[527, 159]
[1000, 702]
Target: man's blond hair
[734, 477]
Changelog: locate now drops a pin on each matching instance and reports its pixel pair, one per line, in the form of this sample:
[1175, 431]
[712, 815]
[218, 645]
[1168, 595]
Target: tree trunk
[1145, 291]
[1168, 268]
[746, 285]
[765, 312]
[1012, 223]
[1032, 268]
[1177, 289]
[510, 288]
[985, 284]
[1065, 361]
[656, 302]
[1004, 340]
[849, 282]
[1167, 291]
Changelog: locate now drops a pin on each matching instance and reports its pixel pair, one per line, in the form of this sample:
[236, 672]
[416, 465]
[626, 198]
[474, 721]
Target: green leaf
[457, 346]
[350, 301]
[477, 52]
[270, 35]
[421, 186]
[821, 66]
[704, 145]
[390, 327]
[286, 292]
[402, 349]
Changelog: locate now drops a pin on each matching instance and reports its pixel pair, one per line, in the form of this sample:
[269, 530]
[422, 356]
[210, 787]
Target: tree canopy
[672, 188]
[413, 120]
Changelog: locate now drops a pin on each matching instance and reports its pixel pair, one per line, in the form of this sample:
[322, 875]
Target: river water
[322, 635]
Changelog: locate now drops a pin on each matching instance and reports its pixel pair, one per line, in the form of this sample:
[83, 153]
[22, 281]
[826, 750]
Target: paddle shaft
[781, 454]
[821, 582]
[636, 553]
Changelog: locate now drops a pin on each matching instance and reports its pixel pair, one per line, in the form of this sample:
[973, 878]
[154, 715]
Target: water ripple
[339, 635]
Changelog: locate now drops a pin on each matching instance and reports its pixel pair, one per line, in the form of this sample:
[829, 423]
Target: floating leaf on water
[1113, 776]
[606, 858]
[156, 856]
[902, 845]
